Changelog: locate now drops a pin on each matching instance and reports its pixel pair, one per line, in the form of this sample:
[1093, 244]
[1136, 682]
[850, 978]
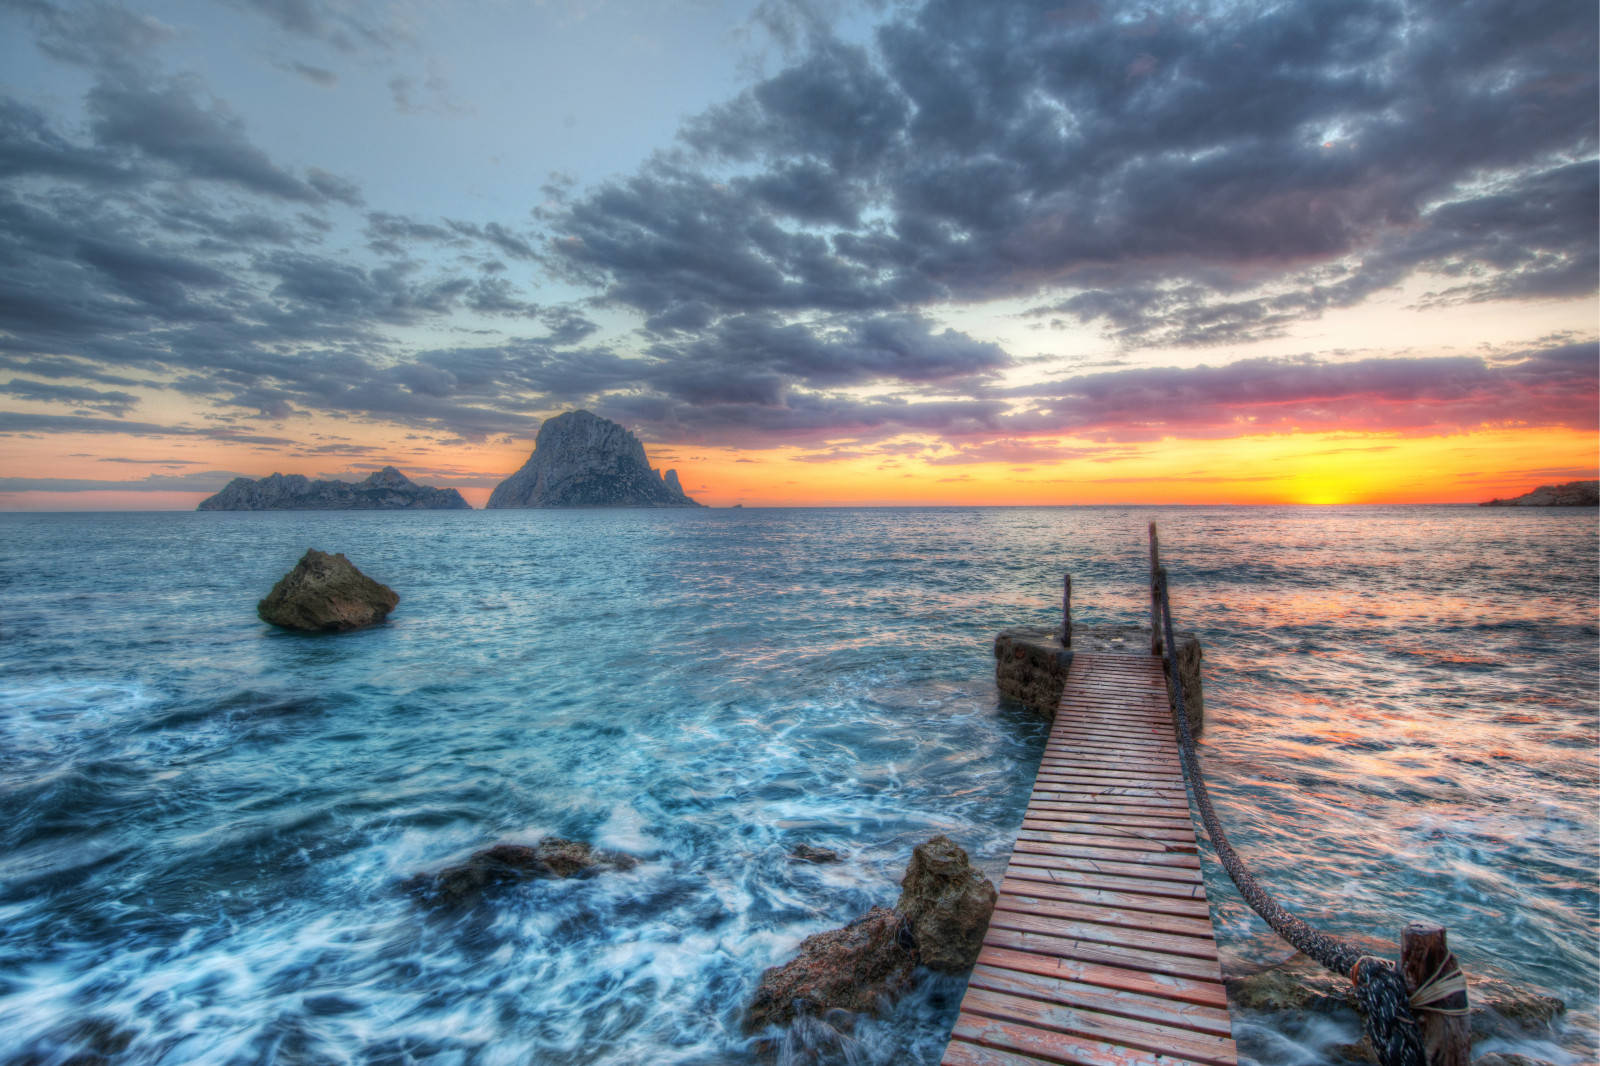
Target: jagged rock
[948, 904]
[1569, 494]
[504, 864]
[386, 490]
[582, 460]
[852, 969]
[939, 922]
[808, 853]
[326, 594]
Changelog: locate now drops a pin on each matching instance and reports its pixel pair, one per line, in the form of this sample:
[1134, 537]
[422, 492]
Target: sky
[810, 252]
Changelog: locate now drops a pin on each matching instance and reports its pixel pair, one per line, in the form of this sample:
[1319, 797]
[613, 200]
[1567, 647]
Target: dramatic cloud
[1178, 177]
[1188, 177]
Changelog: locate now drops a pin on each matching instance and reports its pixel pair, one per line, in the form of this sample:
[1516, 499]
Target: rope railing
[1383, 992]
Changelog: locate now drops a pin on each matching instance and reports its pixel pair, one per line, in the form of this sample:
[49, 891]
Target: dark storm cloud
[13, 422]
[1188, 177]
[168, 123]
[346, 26]
[29, 146]
[100, 36]
[198, 481]
[316, 75]
[1550, 387]
[755, 358]
[106, 402]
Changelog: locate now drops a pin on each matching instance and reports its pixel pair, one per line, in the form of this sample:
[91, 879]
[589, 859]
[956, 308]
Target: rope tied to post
[1386, 1003]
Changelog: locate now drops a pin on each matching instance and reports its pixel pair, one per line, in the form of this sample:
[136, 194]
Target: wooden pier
[1100, 949]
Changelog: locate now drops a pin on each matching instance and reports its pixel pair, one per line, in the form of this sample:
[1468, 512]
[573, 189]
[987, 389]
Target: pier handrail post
[1155, 592]
[1066, 611]
[1425, 959]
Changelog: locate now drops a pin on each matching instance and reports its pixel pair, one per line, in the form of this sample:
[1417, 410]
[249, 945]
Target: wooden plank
[1056, 1047]
[1150, 1008]
[1175, 944]
[1127, 899]
[1100, 849]
[1103, 873]
[1127, 1032]
[1199, 991]
[1105, 912]
[1155, 962]
[961, 1053]
[1101, 948]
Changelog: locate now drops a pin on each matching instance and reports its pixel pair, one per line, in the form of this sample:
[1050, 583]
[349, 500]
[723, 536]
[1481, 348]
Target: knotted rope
[1381, 990]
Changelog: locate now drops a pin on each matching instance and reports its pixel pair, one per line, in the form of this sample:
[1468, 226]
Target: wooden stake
[1155, 596]
[1446, 1037]
[1066, 611]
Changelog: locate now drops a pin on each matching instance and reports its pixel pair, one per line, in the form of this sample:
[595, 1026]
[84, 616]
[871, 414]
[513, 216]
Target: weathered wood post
[1424, 955]
[1066, 611]
[1155, 592]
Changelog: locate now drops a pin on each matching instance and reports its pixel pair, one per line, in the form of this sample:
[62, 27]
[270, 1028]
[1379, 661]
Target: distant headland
[386, 490]
[1570, 494]
[582, 460]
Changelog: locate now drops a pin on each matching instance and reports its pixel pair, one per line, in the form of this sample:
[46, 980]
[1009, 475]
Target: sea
[205, 821]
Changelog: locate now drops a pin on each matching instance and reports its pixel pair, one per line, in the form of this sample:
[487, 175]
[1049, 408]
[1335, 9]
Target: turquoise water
[203, 821]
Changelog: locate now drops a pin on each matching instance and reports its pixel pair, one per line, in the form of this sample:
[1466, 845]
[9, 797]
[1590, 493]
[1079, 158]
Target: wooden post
[1066, 611]
[1155, 594]
[1446, 1037]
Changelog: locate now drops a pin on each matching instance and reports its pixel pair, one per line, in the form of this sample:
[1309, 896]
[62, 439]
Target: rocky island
[386, 490]
[582, 460]
[1569, 494]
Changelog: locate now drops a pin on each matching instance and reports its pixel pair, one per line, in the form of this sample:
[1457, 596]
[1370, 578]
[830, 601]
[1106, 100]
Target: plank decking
[1101, 949]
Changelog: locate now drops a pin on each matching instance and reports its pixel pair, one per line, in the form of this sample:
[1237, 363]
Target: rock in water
[583, 460]
[457, 886]
[948, 904]
[940, 920]
[326, 594]
[386, 490]
[843, 969]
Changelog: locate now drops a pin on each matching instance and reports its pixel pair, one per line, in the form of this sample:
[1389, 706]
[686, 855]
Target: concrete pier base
[1031, 663]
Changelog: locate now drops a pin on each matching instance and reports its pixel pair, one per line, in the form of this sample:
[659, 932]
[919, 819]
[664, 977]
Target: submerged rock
[326, 594]
[852, 969]
[811, 854]
[1498, 1008]
[386, 490]
[502, 864]
[948, 904]
[582, 460]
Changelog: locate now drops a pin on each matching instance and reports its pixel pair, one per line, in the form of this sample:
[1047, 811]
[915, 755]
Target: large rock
[326, 594]
[939, 922]
[1569, 494]
[504, 864]
[948, 904]
[582, 460]
[854, 969]
[386, 490]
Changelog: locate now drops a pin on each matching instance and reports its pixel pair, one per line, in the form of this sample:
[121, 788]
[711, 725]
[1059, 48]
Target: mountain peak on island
[1569, 494]
[582, 460]
[384, 490]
